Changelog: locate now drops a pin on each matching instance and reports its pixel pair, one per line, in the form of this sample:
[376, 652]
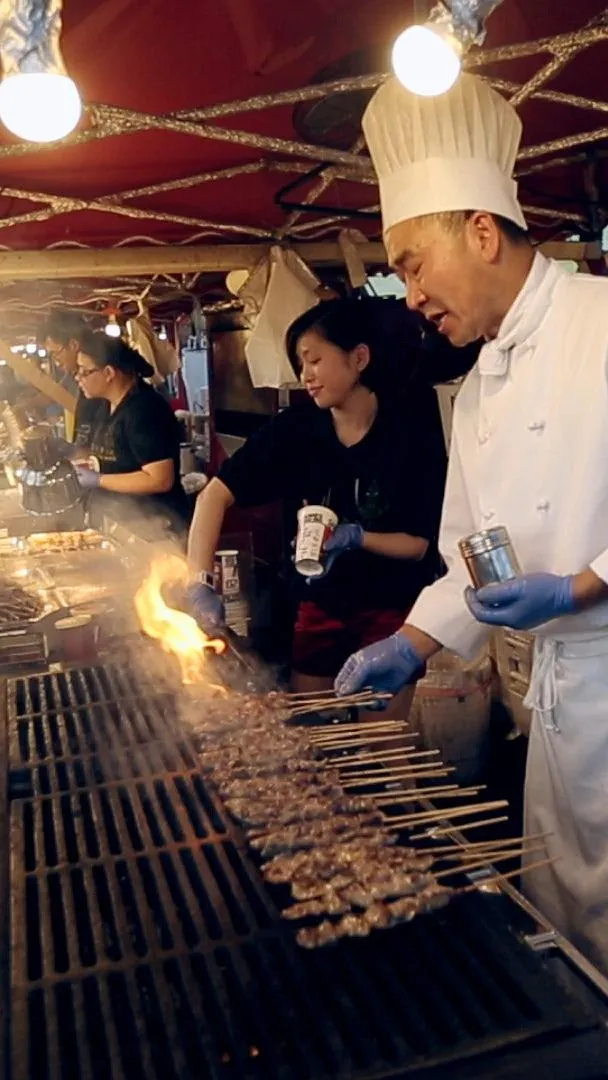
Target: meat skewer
[386, 883]
[382, 915]
[365, 883]
[325, 862]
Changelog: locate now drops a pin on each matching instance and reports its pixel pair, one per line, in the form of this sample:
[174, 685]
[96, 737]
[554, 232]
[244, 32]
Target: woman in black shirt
[376, 457]
[136, 444]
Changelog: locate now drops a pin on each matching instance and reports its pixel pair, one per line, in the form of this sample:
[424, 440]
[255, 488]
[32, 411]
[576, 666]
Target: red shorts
[322, 643]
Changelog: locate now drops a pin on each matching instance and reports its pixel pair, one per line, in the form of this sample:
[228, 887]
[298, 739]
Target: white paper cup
[315, 526]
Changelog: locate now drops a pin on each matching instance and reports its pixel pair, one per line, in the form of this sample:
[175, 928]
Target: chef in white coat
[529, 451]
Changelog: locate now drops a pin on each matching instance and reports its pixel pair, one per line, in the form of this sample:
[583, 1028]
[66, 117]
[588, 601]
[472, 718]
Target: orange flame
[177, 632]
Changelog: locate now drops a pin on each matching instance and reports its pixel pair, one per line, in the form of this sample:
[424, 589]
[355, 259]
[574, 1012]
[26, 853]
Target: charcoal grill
[144, 944]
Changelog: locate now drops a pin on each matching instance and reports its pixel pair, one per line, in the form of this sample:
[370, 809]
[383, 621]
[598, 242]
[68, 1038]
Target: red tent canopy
[151, 77]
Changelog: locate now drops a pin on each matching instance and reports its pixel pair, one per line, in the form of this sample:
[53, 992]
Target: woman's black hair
[115, 353]
[346, 323]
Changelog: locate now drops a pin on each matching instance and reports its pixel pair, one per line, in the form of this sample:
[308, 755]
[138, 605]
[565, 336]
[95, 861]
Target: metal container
[489, 556]
[226, 574]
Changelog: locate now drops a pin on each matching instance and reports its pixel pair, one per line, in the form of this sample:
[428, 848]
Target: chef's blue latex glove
[206, 607]
[347, 537]
[386, 666]
[524, 602]
[87, 478]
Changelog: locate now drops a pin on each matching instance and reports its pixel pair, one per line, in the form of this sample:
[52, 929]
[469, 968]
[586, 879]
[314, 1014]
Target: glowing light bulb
[42, 353]
[426, 62]
[112, 328]
[31, 348]
[162, 334]
[39, 107]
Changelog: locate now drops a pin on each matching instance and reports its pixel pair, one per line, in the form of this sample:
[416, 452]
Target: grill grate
[145, 945]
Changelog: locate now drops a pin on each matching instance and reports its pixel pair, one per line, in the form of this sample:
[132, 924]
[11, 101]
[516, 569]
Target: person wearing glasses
[134, 445]
[375, 455]
[62, 333]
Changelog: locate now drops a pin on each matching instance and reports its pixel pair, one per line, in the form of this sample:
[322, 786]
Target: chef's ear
[484, 235]
[362, 356]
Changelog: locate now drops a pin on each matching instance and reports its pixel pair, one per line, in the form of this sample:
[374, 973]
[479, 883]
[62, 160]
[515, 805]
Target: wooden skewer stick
[393, 772]
[295, 694]
[353, 744]
[364, 781]
[487, 860]
[354, 759]
[480, 845]
[498, 879]
[430, 834]
[329, 730]
[445, 814]
[463, 850]
[363, 741]
[365, 697]
[414, 794]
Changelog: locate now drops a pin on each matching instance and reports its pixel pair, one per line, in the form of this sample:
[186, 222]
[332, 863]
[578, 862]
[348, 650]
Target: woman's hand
[87, 478]
[347, 537]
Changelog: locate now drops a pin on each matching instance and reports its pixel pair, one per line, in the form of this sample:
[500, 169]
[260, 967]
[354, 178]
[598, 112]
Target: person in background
[349, 446]
[529, 450]
[135, 442]
[63, 332]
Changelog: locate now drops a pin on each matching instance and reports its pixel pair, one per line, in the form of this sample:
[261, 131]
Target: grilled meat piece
[302, 840]
[276, 813]
[332, 856]
[378, 916]
[331, 903]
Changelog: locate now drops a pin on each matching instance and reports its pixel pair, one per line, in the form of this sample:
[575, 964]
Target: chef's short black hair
[457, 219]
[345, 323]
[112, 352]
[64, 326]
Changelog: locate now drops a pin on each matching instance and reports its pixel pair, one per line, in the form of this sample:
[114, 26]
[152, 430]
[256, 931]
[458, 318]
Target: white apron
[566, 791]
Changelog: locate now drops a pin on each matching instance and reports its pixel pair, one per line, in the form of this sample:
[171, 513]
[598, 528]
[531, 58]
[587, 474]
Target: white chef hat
[452, 152]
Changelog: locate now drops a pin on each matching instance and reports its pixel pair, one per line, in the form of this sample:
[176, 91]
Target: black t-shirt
[140, 431]
[390, 481]
[89, 413]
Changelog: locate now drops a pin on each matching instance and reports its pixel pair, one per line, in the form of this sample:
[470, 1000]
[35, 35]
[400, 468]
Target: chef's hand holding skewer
[206, 606]
[523, 602]
[387, 666]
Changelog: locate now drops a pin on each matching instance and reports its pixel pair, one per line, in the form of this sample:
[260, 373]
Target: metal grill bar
[145, 946]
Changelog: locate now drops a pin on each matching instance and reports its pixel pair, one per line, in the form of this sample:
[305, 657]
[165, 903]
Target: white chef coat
[530, 451]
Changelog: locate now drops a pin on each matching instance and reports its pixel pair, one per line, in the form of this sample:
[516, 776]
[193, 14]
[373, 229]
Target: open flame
[177, 632]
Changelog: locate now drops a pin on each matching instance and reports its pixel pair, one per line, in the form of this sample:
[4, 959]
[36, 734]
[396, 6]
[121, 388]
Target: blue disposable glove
[524, 602]
[386, 666]
[344, 538]
[348, 537]
[206, 607]
[87, 478]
